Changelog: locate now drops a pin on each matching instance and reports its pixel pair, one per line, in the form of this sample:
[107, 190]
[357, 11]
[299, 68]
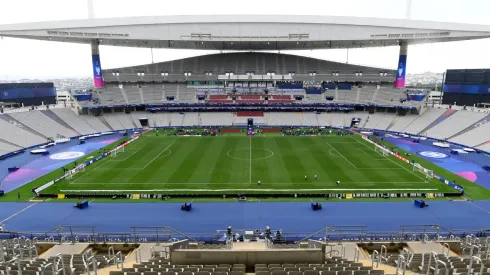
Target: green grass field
[233, 164]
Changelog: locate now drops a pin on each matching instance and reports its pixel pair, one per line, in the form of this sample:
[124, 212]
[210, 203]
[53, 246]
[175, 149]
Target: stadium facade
[247, 32]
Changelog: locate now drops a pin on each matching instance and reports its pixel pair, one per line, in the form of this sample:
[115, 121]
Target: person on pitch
[306, 177]
[338, 182]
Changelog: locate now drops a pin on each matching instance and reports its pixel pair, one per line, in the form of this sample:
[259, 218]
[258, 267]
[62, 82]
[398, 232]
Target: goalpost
[117, 151]
[429, 174]
[381, 151]
[69, 174]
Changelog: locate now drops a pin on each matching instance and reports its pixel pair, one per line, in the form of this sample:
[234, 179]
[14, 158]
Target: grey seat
[202, 273]
[262, 273]
[261, 269]
[279, 272]
[236, 273]
[116, 273]
[224, 269]
[217, 273]
[290, 269]
[295, 273]
[311, 272]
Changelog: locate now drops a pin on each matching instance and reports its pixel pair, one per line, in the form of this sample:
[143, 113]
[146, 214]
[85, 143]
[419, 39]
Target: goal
[69, 174]
[382, 151]
[117, 151]
[428, 173]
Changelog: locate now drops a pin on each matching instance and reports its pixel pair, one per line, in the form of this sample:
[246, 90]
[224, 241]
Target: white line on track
[17, 213]
[248, 189]
[158, 155]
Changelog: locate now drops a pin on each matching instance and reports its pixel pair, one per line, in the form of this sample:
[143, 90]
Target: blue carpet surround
[206, 218]
[35, 166]
[468, 166]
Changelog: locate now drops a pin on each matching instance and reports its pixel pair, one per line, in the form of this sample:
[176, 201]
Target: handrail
[444, 247]
[2, 255]
[401, 265]
[91, 262]
[383, 254]
[356, 254]
[470, 266]
[343, 251]
[87, 255]
[119, 260]
[14, 260]
[425, 238]
[436, 270]
[375, 259]
[46, 266]
[432, 255]
[138, 255]
[408, 253]
[60, 257]
[478, 248]
[111, 255]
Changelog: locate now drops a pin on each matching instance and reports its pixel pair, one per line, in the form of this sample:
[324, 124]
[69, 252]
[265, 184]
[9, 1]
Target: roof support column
[96, 66]
[402, 66]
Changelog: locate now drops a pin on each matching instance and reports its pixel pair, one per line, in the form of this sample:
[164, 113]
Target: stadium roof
[247, 32]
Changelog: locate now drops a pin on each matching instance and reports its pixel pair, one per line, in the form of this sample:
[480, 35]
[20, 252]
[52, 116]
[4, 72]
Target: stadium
[249, 160]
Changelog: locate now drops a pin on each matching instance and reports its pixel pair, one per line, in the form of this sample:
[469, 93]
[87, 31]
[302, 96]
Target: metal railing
[375, 259]
[401, 265]
[359, 234]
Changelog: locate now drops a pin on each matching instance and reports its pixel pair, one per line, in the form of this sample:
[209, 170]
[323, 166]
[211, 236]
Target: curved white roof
[242, 32]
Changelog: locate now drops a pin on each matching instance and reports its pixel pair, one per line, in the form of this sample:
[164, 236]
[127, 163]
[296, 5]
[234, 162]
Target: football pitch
[234, 164]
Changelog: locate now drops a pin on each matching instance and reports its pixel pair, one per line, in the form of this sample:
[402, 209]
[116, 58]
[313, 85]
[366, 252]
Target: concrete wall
[249, 258]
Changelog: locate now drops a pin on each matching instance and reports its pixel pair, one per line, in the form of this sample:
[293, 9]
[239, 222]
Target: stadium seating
[240, 63]
[454, 124]
[421, 122]
[42, 124]
[77, 122]
[24, 129]
[476, 137]
[18, 135]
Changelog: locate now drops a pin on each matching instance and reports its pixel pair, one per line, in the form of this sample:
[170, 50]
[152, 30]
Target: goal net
[381, 151]
[69, 174]
[117, 151]
[428, 173]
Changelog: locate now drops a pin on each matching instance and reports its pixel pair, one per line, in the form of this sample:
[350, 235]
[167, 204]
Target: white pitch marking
[158, 155]
[248, 189]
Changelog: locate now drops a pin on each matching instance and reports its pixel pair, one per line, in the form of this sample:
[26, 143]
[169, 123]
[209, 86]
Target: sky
[21, 58]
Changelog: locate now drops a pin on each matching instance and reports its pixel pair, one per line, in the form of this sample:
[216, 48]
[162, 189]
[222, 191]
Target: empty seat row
[174, 273]
[319, 268]
[189, 268]
[185, 269]
[316, 272]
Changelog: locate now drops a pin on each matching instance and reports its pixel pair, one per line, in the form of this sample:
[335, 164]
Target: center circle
[244, 153]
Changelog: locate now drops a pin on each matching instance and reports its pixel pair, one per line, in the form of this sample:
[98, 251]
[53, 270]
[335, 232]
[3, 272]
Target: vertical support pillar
[97, 67]
[402, 66]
